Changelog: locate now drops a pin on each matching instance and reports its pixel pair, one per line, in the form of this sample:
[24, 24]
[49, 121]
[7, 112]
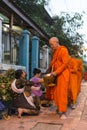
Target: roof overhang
[8, 8]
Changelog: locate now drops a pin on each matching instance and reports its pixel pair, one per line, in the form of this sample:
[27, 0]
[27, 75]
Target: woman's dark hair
[18, 73]
[36, 71]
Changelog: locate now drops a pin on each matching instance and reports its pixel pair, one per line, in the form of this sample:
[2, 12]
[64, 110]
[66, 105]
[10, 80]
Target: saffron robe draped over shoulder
[59, 64]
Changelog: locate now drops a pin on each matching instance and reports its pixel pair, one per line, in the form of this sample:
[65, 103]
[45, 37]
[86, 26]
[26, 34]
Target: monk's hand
[53, 74]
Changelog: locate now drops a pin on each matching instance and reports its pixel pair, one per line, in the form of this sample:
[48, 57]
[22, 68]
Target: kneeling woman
[23, 103]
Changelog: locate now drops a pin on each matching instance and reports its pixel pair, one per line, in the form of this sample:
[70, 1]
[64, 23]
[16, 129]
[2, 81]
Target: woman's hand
[35, 88]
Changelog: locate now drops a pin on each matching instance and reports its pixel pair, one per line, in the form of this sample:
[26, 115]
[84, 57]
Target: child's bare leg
[20, 111]
[25, 110]
[30, 111]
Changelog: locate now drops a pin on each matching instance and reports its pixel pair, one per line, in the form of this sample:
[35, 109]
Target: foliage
[34, 9]
[66, 27]
[30, 2]
[71, 25]
[5, 84]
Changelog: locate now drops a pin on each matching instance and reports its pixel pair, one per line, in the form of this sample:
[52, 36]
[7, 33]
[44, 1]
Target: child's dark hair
[18, 73]
[36, 71]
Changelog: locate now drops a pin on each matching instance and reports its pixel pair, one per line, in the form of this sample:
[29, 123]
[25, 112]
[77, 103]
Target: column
[35, 53]
[24, 50]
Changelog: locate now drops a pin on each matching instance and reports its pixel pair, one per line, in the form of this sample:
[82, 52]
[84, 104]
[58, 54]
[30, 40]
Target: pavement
[49, 120]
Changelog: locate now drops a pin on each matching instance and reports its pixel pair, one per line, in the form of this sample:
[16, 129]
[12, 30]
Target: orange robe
[60, 91]
[49, 93]
[73, 80]
[80, 74]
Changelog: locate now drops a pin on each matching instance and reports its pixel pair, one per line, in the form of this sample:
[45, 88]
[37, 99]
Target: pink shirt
[36, 84]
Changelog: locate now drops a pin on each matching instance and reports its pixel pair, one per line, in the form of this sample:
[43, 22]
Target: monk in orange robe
[59, 64]
[80, 74]
[73, 81]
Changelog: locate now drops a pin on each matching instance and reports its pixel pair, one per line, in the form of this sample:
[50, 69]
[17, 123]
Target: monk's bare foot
[63, 117]
[73, 106]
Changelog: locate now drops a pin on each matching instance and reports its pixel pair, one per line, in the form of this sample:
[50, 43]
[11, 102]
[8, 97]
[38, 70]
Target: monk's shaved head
[54, 39]
[54, 42]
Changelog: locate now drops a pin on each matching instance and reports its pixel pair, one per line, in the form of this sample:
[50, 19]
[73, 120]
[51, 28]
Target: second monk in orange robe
[73, 81]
